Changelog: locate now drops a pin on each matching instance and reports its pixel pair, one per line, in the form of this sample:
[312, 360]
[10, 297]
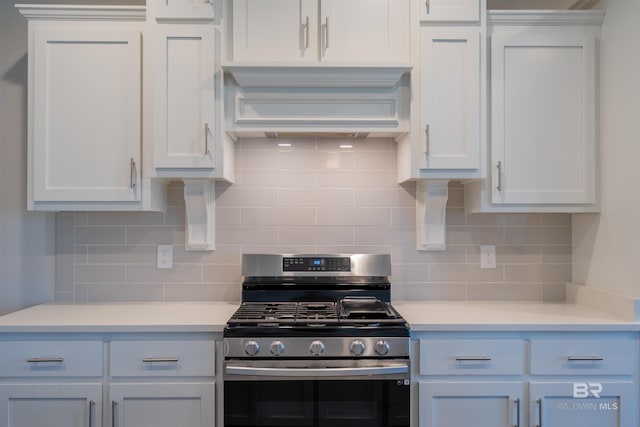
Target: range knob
[251, 347]
[381, 347]
[316, 347]
[357, 347]
[277, 348]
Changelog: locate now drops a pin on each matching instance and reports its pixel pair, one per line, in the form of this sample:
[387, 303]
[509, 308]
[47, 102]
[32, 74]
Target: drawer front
[471, 357]
[580, 357]
[162, 358]
[51, 358]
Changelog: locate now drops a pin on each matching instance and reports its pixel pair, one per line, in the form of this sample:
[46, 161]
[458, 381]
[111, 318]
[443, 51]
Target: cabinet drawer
[50, 358]
[579, 357]
[471, 357]
[162, 358]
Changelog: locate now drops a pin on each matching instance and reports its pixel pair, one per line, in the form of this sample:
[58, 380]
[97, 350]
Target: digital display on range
[316, 264]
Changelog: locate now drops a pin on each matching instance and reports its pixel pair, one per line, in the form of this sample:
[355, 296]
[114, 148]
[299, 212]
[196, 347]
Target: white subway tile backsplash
[108, 235]
[154, 235]
[315, 198]
[350, 216]
[312, 197]
[255, 217]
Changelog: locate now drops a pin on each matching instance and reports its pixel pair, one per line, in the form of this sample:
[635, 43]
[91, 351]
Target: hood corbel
[200, 209]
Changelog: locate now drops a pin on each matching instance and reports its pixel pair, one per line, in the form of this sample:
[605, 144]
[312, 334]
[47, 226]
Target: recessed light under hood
[317, 101]
[326, 135]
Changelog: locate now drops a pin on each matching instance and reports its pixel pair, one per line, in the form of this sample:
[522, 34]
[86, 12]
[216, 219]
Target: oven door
[317, 393]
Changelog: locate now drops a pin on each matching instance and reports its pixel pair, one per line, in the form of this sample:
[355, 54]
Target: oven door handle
[318, 372]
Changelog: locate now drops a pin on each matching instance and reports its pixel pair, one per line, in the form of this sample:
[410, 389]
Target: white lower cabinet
[132, 380]
[162, 383]
[466, 381]
[153, 404]
[551, 379]
[463, 404]
[50, 404]
[582, 402]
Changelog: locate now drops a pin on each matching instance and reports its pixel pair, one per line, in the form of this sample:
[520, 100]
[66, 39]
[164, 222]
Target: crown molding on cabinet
[286, 76]
[546, 17]
[84, 13]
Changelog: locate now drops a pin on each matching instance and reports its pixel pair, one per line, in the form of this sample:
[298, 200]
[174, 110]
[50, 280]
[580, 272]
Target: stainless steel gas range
[316, 342]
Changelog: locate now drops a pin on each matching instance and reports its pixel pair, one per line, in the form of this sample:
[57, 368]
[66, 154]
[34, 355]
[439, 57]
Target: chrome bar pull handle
[427, 139]
[114, 412]
[92, 403]
[160, 360]
[499, 187]
[517, 402]
[206, 139]
[133, 174]
[45, 360]
[326, 32]
[306, 33]
[473, 359]
[427, 5]
[585, 358]
[539, 402]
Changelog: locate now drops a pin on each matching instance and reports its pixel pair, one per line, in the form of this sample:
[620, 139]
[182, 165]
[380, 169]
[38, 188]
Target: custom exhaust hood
[316, 101]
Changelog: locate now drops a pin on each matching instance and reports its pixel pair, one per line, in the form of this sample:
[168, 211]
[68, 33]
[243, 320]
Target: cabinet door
[50, 405]
[275, 30]
[450, 98]
[365, 30]
[464, 404]
[184, 109]
[543, 116]
[86, 114]
[163, 405]
[449, 10]
[588, 403]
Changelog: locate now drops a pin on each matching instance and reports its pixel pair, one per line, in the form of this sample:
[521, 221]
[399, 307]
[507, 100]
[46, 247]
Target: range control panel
[316, 264]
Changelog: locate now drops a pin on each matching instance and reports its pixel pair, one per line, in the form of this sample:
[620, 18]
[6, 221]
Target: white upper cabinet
[543, 109]
[85, 109]
[311, 31]
[542, 153]
[185, 127]
[450, 10]
[449, 98]
[85, 101]
[86, 113]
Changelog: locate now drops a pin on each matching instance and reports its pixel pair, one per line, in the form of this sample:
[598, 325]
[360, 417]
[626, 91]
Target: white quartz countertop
[147, 317]
[508, 316]
[212, 316]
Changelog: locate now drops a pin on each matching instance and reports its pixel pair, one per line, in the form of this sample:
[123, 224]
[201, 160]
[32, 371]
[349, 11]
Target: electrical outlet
[488, 256]
[165, 256]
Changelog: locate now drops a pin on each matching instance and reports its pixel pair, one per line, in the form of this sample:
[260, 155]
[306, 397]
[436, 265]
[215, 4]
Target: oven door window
[314, 403]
